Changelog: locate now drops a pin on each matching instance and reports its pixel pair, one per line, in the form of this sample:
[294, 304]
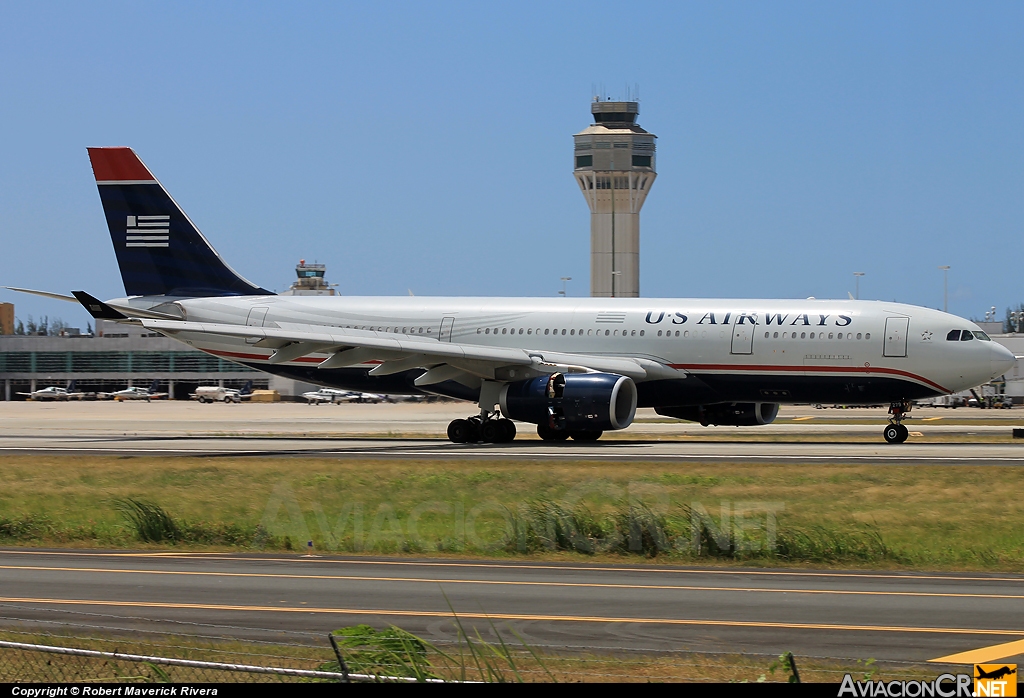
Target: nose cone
[1002, 359]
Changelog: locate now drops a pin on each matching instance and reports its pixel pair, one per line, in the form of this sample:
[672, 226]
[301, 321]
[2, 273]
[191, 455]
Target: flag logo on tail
[148, 231]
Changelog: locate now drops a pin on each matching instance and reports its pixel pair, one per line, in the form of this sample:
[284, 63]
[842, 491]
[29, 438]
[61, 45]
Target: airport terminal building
[117, 356]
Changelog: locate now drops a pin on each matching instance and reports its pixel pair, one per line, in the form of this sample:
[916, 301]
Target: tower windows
[588, 161]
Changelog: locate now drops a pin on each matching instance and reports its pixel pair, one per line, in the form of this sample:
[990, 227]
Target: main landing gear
[489, 427]
[895, 432]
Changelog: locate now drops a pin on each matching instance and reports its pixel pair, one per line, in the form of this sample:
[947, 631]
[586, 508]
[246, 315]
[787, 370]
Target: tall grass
[634, 529]
[152, 524]
[396, 653]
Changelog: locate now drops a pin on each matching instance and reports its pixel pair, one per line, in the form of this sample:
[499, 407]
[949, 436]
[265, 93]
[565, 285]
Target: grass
[851, 515]
[512, 662]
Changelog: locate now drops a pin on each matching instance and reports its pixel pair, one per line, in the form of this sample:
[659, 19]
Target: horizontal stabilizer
[44, 294]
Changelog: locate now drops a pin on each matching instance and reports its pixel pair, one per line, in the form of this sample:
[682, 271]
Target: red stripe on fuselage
[697, 368]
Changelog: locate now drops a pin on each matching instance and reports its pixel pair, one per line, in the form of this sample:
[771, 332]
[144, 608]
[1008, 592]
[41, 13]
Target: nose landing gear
[895, 432]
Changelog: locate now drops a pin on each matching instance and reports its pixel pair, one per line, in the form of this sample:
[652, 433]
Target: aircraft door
[255, 319]
[743, 335]
[896, 336]
[445, 335]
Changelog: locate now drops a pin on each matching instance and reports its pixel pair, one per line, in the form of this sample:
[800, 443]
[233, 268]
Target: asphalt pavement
[855, 615]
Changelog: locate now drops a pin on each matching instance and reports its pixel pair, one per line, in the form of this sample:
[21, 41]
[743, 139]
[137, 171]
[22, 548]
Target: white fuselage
[771, 341]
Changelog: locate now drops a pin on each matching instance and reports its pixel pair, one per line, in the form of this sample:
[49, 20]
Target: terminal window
[587, 161]
[641, 161]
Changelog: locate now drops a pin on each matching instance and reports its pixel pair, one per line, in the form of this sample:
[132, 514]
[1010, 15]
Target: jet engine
[732, 414]
[585, 402]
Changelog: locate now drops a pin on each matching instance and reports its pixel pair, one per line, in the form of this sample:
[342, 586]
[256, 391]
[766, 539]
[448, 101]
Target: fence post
[341, 662]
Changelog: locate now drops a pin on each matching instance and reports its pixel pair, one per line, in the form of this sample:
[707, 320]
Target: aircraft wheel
[510, 430]
[585, 435]
[548, 434]
[459, 431]
[493, 431]
[892, 434]
[904, 433]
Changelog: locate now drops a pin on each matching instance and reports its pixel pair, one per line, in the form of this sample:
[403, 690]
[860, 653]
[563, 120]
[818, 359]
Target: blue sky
[427, 146]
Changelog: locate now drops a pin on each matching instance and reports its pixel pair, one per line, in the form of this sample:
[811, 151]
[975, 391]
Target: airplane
[135, 393]
[217, 393]
[995, 673]
[55, 393]
[333, 395]
[574, 368]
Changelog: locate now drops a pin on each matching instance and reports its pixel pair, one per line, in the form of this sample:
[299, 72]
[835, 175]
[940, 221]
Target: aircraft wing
[444, 360]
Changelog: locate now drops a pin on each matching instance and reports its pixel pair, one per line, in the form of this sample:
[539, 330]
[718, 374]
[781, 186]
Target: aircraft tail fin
[154, 387]
[246, 389]
[71, 386]
[159, 250]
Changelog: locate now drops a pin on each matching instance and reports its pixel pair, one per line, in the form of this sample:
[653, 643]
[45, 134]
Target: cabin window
[953, 336]
[547, 331]
[803, 335]
[830, 335]
[572, 332]
[607, 332]
[520, 330]
[858, 335]
[659, 333]
[487, 331]
[687, 333]
[867, 336]
[775, 336]
[641, 333]
[529, 331]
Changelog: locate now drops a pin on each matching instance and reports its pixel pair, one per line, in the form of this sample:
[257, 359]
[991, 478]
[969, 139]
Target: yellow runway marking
[801, 419]
[983, 655]
[517, 616]
[504, 582]
[522, 566]
[931, 419]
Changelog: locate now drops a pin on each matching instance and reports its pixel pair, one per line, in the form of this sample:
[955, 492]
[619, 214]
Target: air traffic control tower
[614, 167]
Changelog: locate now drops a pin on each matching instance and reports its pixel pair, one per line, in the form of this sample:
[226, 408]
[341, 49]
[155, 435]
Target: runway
[416, 431]
[887, 616]
[438, 449]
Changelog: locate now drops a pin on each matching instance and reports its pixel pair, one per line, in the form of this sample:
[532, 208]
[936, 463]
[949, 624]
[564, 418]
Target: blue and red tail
[159, 250]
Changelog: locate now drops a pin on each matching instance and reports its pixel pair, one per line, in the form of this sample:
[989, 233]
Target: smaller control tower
[311, 281]
[614, 167]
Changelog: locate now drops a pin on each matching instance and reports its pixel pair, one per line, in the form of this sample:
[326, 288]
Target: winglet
[97, 308]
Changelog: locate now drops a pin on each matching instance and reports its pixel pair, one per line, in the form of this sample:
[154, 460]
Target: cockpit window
[966, 336]
[982, 336]
[953, 336]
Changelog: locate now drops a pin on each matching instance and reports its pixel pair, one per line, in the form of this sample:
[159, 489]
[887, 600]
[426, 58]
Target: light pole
[564, 279]
[856, 276]
[945, 288]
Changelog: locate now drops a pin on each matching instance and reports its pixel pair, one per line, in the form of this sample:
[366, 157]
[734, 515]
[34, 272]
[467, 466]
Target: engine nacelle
[731, 414]
[574, 401]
